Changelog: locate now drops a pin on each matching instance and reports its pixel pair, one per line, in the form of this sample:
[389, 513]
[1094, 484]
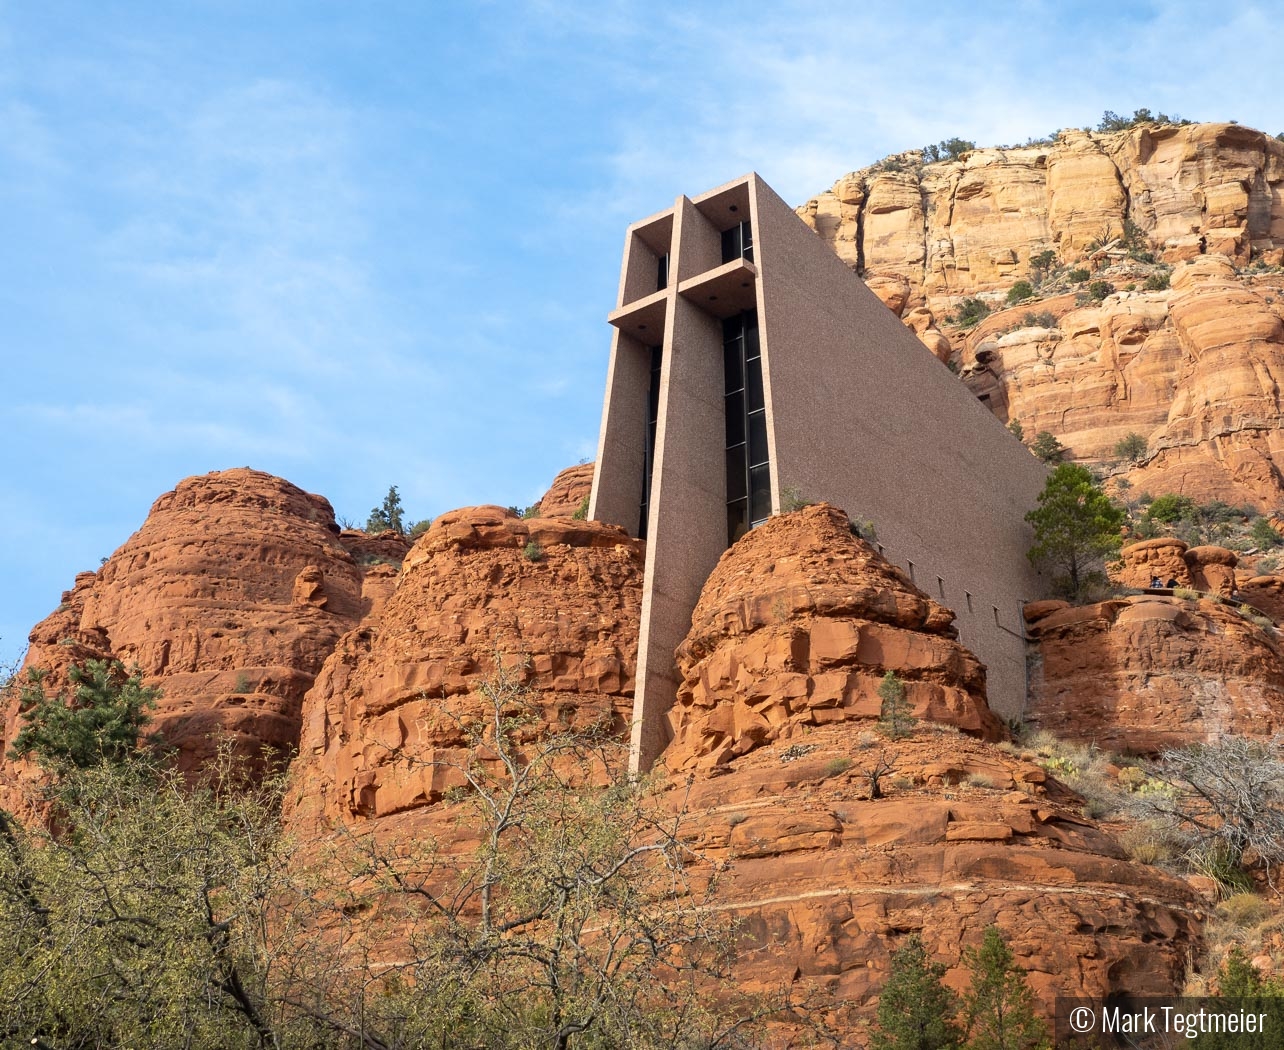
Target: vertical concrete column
[621, 445]
[686, 532]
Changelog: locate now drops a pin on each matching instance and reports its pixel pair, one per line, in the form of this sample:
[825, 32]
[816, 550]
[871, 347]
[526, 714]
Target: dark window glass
[652, 421]
[757, 438]
[748, 467]
[759, 493]
[753, 385]
[737, 521]
[735, 418]
[730, 244]
[737, 476]
[737, 242]
[733, 376]
[662, 272]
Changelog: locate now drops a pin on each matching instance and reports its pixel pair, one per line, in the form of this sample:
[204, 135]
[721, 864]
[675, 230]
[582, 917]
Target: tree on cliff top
[1075, 527]
[388, 515]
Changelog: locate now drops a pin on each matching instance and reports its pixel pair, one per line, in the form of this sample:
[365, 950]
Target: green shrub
[895, 714]
[947, 149]
[1017, 430]
[1264, 535]
[1042, 319]
[1078, 275]
[1098, 290]
[533, 552]
[1041, 263]
[792, 499]
[100, 724]
[419, 528]
[1020, 290]
[1156, 282]
[835, 766]
[970, 312]
[1132, 448]
[1111, 121]
[1170, 508]
[581, 512]
[1047, 448]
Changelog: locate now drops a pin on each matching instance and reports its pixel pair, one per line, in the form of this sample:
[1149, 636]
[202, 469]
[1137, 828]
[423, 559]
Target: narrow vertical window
[652, 421]
[737, 242]
[748, 465]
[662, 272]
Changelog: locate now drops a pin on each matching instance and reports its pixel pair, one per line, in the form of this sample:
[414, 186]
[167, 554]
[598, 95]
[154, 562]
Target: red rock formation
[796, 627]
[969, 226]
[826, 882]
[1141, 674]
[229, 598]
[1195, 370]
[568, 492]
[563, 595]
[1140, 563]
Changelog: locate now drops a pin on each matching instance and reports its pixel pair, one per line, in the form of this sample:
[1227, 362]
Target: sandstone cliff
[958, 228]
[1145, 673]
[229, 598]
[775, 730]
[1194, 369]
[557, 599]
[796, 627]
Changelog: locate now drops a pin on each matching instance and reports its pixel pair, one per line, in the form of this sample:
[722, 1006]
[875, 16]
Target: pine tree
[916, 1011]
[895, 713]
[102, 723]
[1075, 526]
[999, 1008]
[388, 515]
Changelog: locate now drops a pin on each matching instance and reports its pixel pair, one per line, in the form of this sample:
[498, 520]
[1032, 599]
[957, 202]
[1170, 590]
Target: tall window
[737, 242]
[652, 420]
[748, 465]
[662, 272]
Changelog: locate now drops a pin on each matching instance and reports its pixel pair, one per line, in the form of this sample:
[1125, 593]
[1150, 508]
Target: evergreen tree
[999, 1007]
[1075, 526]
[916, 1011]
[102, 724]
[388, 515]
[1047, 448]
[895, 713]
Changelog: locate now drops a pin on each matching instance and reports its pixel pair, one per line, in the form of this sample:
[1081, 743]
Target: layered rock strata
[555, 601]
[796, 627]
[228, 599]
[1142, 674]
[826, 882]
[566, 496]
[958, 228]
[1194, 369]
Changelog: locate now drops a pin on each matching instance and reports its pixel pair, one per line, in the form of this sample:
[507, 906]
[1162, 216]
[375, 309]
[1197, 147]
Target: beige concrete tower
[748, 359]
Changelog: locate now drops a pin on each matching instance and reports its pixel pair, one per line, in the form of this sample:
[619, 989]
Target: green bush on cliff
[1075, 527]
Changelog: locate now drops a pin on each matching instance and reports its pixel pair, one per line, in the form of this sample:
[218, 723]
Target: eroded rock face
[826, 882]
[568, 492]
[1195, 369]
[1141, 563]
[796, 628]
[229, 599]
[959, 228]
[481, 585]
[1142, 674]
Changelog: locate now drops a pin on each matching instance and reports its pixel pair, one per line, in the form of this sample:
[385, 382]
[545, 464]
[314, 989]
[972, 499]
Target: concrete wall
[859, 413]
[865, 417]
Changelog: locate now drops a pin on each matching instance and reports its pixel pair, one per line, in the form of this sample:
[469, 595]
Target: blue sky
[358, 243]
